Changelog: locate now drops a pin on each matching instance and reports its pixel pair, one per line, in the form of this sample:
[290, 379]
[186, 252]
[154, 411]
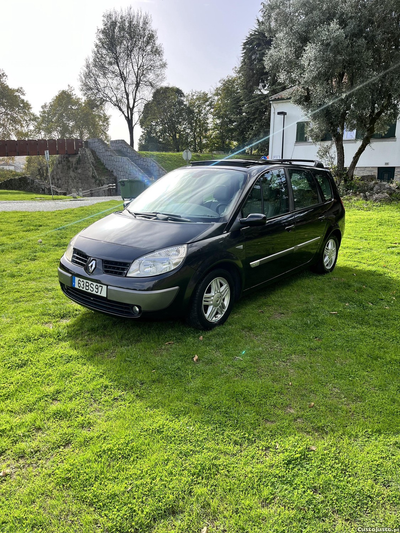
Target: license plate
[89, 286]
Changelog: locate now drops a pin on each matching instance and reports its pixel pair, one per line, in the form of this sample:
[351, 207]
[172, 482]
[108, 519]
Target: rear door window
[275, 193]
[305, 191]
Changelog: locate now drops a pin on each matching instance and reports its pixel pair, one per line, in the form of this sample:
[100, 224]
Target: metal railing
[110, 189]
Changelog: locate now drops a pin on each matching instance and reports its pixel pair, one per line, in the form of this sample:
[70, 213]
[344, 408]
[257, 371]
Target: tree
[255, 86]
[68, 116]
[343, 58]
[227, 130]
[200, 107]
[164, 121]
[126, 65]
[36, 166]
[16, 117]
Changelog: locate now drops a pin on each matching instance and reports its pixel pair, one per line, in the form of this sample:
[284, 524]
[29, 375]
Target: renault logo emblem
[91, 266]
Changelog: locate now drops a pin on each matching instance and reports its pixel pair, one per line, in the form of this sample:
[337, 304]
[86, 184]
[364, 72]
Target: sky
[43, 44]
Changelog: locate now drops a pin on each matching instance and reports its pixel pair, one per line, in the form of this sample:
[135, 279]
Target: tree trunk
[364, 143]
[339, 154]
[130, 128]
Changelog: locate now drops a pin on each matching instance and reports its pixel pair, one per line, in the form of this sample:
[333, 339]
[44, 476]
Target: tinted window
[269, 195]
[275, 192]
[194, 193]
[325, 185]
[254, 202]
[305, 191]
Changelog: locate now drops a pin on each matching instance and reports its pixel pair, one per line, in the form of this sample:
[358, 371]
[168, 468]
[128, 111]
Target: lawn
[287, 422]
[172, 160]
[22, 195]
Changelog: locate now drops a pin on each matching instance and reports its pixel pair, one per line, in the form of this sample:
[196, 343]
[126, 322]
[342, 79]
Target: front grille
[113, 268]
[79, 258]
[97, 303]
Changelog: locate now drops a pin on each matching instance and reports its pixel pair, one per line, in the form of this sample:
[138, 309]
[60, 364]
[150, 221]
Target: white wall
[380, 153]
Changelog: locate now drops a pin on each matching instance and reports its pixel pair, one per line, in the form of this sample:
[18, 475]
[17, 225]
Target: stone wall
[150, 167]
[28, 184]
[78, 173]
[373, 172]
[125, 163]
[71, 174]
[122, 167]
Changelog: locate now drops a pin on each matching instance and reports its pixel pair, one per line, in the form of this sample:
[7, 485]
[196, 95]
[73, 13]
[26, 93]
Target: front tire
[212, 301]
[326, 261]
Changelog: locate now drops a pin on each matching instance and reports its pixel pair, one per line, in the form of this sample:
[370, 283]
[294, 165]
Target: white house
[289, 140]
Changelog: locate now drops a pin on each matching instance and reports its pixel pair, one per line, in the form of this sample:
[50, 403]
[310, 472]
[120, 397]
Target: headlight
[70, 249]
[158, 262]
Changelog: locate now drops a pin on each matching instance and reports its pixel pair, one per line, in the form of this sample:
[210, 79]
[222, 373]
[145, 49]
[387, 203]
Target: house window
[301, 132]
[349, 135]
[390, 134]
[327, 137]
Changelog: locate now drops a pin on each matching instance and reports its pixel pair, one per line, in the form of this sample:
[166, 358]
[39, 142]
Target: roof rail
[227, 162]
[292, 161]
[251, 162]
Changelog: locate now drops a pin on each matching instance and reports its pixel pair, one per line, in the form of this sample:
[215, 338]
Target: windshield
[194, 194]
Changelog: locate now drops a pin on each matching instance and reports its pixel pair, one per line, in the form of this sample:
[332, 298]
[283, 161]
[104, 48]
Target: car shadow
[299, 330]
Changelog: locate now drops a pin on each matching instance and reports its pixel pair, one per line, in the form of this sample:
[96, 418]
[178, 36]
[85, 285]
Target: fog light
[136, 310]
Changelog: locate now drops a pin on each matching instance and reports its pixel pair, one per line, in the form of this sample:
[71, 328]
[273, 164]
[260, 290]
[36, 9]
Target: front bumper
[119, 301]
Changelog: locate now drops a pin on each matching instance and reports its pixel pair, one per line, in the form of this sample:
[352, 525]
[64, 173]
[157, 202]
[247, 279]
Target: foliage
[200, 108]
[256, 85]
[164, 121]
[126, 65]
[343, 57]
[16, 115]
[175, 121]
[67, 116]
[227, 128]
[6, 174]
[36, 166]
[287, 422]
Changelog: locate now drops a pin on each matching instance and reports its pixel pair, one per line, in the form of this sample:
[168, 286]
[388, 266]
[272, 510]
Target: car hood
[122, 237]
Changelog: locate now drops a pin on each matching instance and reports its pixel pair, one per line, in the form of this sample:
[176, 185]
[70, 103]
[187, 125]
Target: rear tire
[326, 261]
[212, 300]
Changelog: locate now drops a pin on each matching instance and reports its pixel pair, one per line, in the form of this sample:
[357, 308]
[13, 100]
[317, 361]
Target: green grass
[21, 195]
[172, 160]
[288, 422]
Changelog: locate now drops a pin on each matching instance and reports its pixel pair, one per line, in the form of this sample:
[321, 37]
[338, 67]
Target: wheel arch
[334, 232]
[230, 266]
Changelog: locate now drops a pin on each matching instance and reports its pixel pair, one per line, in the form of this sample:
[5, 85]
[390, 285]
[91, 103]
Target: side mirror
[254, 219]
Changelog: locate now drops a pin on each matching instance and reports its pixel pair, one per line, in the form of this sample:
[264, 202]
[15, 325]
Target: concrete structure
[380, 159]
[125, 163]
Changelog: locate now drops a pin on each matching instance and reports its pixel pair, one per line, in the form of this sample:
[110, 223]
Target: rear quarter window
[325, 185]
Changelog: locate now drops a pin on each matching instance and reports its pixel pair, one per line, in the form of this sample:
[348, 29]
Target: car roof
[249, 163]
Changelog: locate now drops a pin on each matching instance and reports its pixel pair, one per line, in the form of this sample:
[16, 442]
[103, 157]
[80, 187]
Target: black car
[202, 235]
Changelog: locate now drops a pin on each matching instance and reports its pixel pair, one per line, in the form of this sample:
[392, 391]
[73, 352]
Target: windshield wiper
[171, 216]
[160, 216]
[146, 214]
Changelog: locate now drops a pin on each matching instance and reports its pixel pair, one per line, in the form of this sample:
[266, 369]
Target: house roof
[283, 95]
